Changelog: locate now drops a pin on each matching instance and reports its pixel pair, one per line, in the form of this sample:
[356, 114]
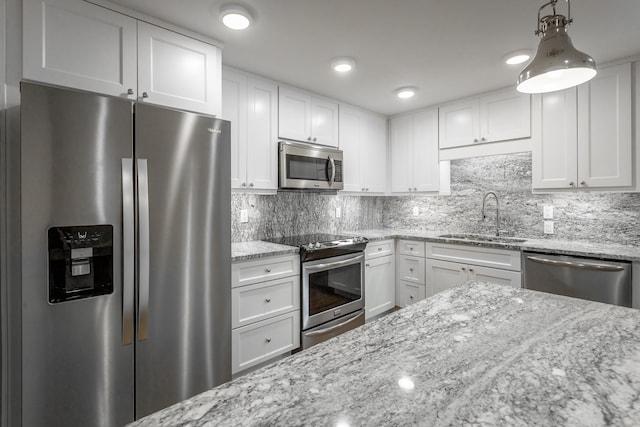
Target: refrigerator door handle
[143, 245]
[128, 251]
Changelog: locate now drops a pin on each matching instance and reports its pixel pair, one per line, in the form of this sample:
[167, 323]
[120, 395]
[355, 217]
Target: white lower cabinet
[410, 272]
[379, 276]
[449, 265]
[265, 310]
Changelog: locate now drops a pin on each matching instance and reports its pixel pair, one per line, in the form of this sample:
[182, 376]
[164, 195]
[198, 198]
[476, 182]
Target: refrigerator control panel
[80, 262]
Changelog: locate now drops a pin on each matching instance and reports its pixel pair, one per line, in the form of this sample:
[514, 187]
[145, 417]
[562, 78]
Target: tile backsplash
[596, 217]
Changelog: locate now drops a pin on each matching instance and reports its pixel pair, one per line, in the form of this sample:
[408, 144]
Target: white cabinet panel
[414, 152]
[459, 123]
[505, 115]
[380, 289]
[260, 301]
[411, 269]
[363, 141]
[487, 257]
[442, 275]
[303, 117]
[178, 71]
[234, 109]
[260, 270]
[605, 129]
[409, 293]
[379, 249]
[494, 275]
[554, 157]
[76, 44]
[259, 342]
[411, 247]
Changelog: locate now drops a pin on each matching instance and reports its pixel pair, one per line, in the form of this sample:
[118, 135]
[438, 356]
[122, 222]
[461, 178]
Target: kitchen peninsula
[478, 353]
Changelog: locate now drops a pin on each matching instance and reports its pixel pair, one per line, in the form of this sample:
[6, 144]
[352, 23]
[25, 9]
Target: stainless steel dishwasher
[591, 279]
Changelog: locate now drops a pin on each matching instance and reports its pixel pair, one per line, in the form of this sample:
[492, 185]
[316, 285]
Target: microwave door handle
[333, 170]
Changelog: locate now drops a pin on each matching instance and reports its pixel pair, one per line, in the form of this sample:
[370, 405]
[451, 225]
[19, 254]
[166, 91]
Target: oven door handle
[336, 264]
[333, 328]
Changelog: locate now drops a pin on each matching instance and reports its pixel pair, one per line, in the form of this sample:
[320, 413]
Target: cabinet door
[234, 109]
[351, 138]
[262, 134]
[402, 154]
[178, 71]
[324, 122]
[605, 129]
[374, 151]
[409, 293]
[494, 275]
[459, 124]
[426, 175]
[294, 115]
[442, 275]
[554, 155]
[505, 115]
[380, 289]
[76, 44]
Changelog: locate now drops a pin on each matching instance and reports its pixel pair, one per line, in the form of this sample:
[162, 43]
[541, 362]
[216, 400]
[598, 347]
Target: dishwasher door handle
[580, 265]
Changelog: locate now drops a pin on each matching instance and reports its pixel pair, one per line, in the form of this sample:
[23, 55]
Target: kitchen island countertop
[479, 353]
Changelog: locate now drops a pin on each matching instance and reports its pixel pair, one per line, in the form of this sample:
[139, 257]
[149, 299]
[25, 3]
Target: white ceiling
[447, 48]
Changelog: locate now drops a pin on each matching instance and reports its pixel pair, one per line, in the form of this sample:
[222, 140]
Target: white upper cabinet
[304, 117]
[414, 152]
[250, 103]
[77, 44]
[498, 116]
[178, 71]
[586, 139]
[363, 140]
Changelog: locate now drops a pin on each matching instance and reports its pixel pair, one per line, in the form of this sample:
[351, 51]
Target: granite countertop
[476, 354]
[258, 249]
[241, 251]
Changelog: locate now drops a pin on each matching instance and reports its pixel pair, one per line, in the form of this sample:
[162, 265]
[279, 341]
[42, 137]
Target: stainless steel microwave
[309, 166]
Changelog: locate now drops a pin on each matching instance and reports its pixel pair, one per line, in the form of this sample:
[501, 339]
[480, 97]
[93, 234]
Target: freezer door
[183, 337]
[75, 368]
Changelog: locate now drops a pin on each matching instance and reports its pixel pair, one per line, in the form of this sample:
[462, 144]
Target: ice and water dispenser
[80, 262]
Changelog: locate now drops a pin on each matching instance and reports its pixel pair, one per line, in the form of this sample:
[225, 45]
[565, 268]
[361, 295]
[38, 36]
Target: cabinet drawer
[264, 340]
[409, 293]
[257, 302]
[379, 249]
[487, 257]
[411, 269]
[411, 247]
[249, 272]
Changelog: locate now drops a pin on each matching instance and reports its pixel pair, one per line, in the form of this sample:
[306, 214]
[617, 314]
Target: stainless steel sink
[482, 238]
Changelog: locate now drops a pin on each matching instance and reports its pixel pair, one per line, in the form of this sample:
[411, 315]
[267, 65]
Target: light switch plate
[416, 211]
[338, 212]
[548, 227]
[547, 212]
[244, 215]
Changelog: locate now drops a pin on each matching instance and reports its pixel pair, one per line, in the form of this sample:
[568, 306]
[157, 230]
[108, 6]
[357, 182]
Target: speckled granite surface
[477, 354]
[243, 251]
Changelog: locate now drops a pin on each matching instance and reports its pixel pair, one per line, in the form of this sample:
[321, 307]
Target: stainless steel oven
[309, 166]
[332, 281]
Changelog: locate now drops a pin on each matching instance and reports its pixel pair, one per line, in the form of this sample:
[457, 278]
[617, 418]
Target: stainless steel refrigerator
[125, 257]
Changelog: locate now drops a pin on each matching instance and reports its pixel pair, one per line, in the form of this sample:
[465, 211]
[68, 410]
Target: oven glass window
[309, 168]
[333, 288]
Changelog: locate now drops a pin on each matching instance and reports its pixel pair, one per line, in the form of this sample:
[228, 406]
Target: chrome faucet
[497, 210]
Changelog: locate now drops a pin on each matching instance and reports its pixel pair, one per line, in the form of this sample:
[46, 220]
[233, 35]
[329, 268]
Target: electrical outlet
[547, 212]
[416, 211]
[338, 212]
[244, 215]
[548, 227]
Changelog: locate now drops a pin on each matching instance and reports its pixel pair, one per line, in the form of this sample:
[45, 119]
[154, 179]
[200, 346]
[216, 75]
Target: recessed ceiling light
[343, 64]
[517, 57]
[235, 16]
[406, 92]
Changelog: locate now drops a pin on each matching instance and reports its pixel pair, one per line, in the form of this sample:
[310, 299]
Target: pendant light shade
[557, 64]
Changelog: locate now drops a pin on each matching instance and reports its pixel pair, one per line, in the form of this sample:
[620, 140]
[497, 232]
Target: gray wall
[595, 217]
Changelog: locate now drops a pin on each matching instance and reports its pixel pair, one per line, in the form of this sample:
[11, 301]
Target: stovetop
[323, 245]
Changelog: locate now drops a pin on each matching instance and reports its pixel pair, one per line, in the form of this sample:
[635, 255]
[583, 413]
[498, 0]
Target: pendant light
[557, 64]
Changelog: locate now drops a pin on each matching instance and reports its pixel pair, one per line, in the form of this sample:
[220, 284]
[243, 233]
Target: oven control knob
[310, 245]
[317, 245]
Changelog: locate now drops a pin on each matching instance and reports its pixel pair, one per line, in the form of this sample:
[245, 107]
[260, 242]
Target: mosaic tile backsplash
[595, 217]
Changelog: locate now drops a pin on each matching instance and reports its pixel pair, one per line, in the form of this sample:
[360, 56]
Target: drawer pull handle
[410, 249]
[268, 270]
[411, 270]
[379, 249]
[410, 296]
[471, 270]
[268, 339]
[367, 265]
[268, 300]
